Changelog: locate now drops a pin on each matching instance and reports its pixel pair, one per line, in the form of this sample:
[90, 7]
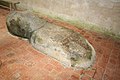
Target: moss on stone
[39, 40]
[89, 55]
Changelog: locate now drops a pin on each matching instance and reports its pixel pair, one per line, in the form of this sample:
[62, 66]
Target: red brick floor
[20, 61]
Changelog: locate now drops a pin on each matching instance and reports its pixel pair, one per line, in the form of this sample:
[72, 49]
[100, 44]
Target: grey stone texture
[68, 47]
[22, 24]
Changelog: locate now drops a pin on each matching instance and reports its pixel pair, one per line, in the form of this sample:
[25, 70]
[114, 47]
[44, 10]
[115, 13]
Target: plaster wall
[105, 14]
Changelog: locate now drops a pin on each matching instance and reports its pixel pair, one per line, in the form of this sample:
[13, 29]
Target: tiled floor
[20, 61]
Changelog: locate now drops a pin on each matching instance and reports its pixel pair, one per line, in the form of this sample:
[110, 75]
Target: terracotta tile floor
[20, 61]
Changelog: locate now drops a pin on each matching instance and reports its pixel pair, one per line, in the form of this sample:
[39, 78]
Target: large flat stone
[65, 45]
[68, 47]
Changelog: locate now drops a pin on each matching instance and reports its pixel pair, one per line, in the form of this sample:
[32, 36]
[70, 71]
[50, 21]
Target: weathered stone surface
[23, 23]
[66, 46]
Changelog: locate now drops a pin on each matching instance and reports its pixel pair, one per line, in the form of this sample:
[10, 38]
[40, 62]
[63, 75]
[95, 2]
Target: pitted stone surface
[66, 46]
[23, 23]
